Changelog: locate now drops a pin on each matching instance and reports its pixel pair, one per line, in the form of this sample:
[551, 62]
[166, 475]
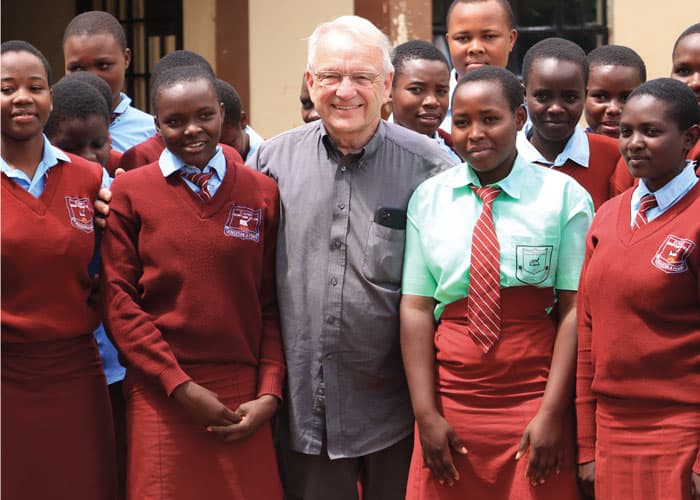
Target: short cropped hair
[362, 30]
[231, 100]
[555, 48]
[617, 55]
[180, 58]
[510, 85]
[693, 29]
[73, 98]
[93, 80]
[95, 22]
[22, 46]
[415, 50]
[505, 5]
[682, 105]
[179, 74]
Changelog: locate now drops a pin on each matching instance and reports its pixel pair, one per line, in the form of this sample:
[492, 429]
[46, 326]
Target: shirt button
[343, 168]
[329, 356]
[334, 281]
[337, 243]
[329, 320]
[341, 206]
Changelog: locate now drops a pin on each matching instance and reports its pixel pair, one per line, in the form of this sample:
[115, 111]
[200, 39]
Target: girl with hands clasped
[488, 330]
[190, 301]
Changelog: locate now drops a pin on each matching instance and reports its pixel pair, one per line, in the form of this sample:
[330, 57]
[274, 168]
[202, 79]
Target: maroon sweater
[188, 282]
[639, 311]
[597, 178]
[149, 151]
[47, 244]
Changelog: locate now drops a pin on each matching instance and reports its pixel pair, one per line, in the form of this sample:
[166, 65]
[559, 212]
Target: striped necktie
[200, 180]
[484, 300]
[648, 202]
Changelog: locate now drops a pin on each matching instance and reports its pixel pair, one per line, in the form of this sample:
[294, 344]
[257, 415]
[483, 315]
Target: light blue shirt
[666, 196]
[541, 218]
[49, 159]
[447, 148]
[254, 141]
[169, 164]
[131, 126]
[576, 150]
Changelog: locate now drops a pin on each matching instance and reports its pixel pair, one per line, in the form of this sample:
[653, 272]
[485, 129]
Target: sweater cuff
[696, 465]
[270, 381]
[171, 378]
[586, 450]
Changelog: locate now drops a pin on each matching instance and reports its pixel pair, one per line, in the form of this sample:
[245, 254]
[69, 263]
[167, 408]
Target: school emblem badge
[532, 263]
[672, 255]
[80, 213]
[244, 223]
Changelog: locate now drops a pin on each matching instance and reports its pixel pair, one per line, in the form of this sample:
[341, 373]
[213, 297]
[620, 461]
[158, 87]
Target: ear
[690, 137]
[157, 124]
[127, 57]
[223, 112]
[244, 120]
[520, 117]
[51, 97]
[388, 80]
[512, 38]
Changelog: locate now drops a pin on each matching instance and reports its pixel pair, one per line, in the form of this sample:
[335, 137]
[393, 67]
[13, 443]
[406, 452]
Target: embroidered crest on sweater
[672, 255]
[244, 223]
[80, 213]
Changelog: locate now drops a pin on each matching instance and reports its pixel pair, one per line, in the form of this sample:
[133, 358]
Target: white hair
[362, 30]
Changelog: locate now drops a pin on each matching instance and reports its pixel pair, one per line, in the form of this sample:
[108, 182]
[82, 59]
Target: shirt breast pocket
[533, 261]
[383, 259]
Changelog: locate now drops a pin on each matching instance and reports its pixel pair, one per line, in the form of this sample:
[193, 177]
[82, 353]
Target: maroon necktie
[484, 301]
[200, 180]
[648, 202]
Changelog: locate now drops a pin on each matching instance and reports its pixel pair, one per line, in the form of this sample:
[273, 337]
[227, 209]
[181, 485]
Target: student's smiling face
[100, 54]
[651, 143]
[554, 93]
[189, 118]
[608, 88]
[26, 96]
[478, 34]
[421, 95]
[686, 63]
[484, 128]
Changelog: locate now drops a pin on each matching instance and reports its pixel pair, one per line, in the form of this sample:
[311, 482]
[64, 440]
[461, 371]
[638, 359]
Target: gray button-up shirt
[339, 260]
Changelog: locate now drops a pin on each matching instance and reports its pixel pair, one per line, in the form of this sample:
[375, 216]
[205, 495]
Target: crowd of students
[533, 286]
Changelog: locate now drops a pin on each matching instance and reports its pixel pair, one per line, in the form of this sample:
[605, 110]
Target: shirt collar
[170, 163]
[463, 175]
[668, 194]
[576, 150]
[367, 151]
[50, 157]
[124, 102]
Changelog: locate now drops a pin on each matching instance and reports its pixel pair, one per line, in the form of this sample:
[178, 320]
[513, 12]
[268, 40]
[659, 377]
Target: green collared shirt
[541, 219]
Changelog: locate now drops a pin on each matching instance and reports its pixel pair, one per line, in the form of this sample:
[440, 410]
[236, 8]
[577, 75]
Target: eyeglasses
[332, 79]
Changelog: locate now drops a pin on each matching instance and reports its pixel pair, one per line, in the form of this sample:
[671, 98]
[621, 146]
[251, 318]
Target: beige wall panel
[199, 28]
[278, 33]
[651, 28]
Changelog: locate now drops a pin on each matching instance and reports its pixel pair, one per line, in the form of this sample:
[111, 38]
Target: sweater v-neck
[629, 237]
[41, 204]
[204, 208]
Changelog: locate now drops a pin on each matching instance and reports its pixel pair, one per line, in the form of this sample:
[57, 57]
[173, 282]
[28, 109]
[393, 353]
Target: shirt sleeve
[585, 398]
[129, 326]
[574, 223]
[417, 278]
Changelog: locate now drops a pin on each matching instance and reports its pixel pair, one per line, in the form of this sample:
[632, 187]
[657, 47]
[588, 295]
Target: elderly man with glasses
[345, 181]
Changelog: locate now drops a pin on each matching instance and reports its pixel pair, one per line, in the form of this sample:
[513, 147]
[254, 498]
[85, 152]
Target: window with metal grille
[582, 21]
[153, 28]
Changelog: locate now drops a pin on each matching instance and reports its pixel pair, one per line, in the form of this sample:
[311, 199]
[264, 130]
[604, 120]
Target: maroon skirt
[170, 456]
[57, 436]
[490, 398]
[645, 450]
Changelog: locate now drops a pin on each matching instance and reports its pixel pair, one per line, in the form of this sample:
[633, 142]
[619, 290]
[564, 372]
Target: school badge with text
[672, 255]
[80, 213]
[533, 263]
[243, 223]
